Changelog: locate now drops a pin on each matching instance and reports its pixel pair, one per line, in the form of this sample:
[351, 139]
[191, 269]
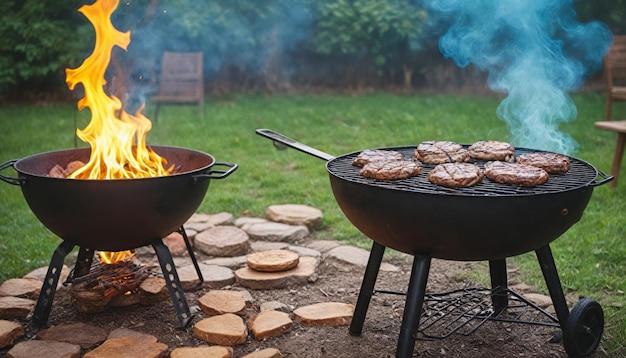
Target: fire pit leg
[550, 274]
[49, 287]
[173, 282]
[413, 306]
[499, 292]
[367, 288]
[181, 230]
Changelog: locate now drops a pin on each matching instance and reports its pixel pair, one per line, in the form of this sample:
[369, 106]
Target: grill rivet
[564, 212]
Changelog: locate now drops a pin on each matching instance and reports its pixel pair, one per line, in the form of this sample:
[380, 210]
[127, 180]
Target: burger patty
[438, 152]
[456, 175]
[492, 150]
[553, 163]
[371, 155]
[515, 174]
[390, 169]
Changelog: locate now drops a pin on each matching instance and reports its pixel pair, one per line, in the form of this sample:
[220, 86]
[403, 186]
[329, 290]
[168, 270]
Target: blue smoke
[535, 51]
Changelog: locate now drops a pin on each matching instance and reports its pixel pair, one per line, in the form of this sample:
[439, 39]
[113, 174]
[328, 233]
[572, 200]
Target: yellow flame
[109, 257]
[117, 139]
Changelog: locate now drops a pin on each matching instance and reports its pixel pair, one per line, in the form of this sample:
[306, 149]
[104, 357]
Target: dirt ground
[380, 331]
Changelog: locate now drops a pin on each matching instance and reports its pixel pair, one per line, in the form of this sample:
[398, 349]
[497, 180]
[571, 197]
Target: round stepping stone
[269, 324]
[298, 276]
[265, 353]
[223, 241]
[218, 302]
[204, 352]
[84, 335]
[227, 330]
[145, 346]
[273, 260]
[295, 214]
[49, 349]
[325, 314]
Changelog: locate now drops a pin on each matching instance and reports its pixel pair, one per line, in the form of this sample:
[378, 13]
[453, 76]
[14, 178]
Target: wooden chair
[181, 81]
[615, 73]
[620, 128]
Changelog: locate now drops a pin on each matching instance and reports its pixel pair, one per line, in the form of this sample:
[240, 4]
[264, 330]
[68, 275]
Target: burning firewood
[59, 172]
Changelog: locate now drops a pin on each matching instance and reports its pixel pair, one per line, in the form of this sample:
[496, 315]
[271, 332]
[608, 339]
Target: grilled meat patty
[553, 163]
[492, 150]
[456, 175]
[391, 169]
[515, 174]
[371, 155]
[438, 152]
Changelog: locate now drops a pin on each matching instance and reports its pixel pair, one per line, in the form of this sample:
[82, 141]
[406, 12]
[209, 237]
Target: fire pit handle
[221, 173]
[606, 178]
[280, 139]
[10, 180]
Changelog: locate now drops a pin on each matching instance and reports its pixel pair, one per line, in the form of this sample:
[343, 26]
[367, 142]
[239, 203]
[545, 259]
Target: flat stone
[130, 346]
[274, 306]
[273, 260]
[295, 214]
[202, 352]
[126, 332]
[10, 332]
[540, 300]
[15, 307]
[345, 257]
[325, 314]
[197, 226]
[218, 302]
[222, 218]
[223, 241]
[304, 251]
[230, 262]
[298, 276]
[40, 274]
[21, 287]
[214, 276]
[257, 246]
[323, 245]
[265, 353]
[198, 218]
[273, 231]
[268, 324]
[48, 349]
[245, 221]
[176, 244]
[84, 335]
[152, 290]
[227, 330]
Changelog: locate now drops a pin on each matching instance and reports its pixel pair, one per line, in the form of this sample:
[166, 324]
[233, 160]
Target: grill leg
[367, 288]
[499, 294]
[548, 268]
[49, 287]
[413, 306]
[173, 282]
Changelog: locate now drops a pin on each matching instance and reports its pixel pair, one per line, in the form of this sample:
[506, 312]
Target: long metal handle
[279, 138]
[221, 173]
[10, 180]
[606, 178]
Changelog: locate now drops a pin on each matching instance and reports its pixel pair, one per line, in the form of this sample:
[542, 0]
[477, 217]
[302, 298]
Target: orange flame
[117, 139]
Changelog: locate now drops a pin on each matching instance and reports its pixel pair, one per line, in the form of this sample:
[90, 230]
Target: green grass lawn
[590, 256]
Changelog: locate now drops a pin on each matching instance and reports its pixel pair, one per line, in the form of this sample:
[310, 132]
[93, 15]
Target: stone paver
[323, 245]
[298, 276]
[273, 260]
[153, 290]
[346, 257]
[21, 287]
[145, 346]
[230, 262]
[126, 332]
[218, 302]
[304, 251]
[84, 335]
[47, 349]
[176, 244]
[202, 352]
[40, 274]
[265, 353]
[540, 300]
[269, 324]
[223, 241]
[214, 276]
[295, 214]
[197, 226]
[273, 231]
[257, 246]
[325, 314]
[10, 332]
[15, 307]
[245, 221]
[226, 330]
[274, 306]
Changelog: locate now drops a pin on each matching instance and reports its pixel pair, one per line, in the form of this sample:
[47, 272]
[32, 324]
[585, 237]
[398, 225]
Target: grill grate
[580, 174]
